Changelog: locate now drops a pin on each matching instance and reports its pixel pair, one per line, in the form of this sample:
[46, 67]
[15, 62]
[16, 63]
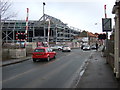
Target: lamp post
[44, 22]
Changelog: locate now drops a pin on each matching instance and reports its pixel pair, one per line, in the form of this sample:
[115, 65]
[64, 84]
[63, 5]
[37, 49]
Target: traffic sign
[106, 24]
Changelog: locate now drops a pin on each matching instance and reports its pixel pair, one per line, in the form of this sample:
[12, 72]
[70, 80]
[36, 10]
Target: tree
[4, 13]
[83, 34]
[4, 7]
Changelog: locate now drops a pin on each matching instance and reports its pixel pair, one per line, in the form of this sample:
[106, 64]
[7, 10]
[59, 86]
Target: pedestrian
[96, 46]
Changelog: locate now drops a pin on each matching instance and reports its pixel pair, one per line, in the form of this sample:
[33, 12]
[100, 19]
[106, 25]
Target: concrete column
[33, 32]
[119, 28]
[56, 34]
[116, 55]
[14, 33]
[0, 52]
[119, 42]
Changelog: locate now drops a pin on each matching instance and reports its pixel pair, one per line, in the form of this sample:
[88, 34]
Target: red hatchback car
[43, 53]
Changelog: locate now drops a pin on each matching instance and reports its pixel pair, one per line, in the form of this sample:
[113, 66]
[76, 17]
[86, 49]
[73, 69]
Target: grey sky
[77, 13]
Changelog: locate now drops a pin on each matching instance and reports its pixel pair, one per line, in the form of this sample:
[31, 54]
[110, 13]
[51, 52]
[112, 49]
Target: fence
[110, 57]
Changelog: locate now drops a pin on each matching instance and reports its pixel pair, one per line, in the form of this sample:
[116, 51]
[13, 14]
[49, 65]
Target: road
[61, 72]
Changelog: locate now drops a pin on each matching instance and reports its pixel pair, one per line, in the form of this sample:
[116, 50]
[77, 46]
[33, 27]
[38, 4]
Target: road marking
[45, 78]
[83, 68]
[63, 56]
[30, 70]
[21, 74]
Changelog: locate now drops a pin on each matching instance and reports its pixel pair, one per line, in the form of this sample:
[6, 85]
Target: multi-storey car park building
[38, 30]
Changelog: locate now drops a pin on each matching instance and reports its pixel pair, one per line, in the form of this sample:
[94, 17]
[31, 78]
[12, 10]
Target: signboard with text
[106, 24]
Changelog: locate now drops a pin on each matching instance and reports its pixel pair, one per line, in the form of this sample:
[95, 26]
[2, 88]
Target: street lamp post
[44, 22]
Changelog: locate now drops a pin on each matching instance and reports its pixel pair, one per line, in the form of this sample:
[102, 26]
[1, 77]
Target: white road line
[18, 75]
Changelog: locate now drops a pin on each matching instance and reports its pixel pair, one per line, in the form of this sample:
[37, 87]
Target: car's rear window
[39, 50]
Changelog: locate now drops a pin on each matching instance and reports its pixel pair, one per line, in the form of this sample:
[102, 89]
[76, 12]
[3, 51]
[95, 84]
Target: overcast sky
[82, 14]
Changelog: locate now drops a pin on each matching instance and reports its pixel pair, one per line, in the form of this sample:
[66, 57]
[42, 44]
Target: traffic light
[102, 36]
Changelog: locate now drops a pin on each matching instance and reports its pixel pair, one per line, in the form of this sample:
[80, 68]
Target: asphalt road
[61, 72]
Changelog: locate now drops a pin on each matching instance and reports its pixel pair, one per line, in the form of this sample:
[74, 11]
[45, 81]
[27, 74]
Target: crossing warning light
[102, 36]
[21, 36]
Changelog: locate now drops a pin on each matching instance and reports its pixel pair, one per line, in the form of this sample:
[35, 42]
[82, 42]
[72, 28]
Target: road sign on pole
[106, 24]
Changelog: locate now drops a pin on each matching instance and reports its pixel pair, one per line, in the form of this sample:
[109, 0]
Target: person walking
[96, 46]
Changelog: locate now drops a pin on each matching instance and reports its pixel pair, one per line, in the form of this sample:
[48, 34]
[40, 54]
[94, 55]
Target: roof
[91, 34]
[53, 20]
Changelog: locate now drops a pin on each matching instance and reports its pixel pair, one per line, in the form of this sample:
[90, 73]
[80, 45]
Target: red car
[43, 53]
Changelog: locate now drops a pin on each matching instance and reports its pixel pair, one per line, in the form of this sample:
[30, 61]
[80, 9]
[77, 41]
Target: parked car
[86, 47]
[66, 48]
[43, 53]
[82, 46]
[57, 47]
[93, 47]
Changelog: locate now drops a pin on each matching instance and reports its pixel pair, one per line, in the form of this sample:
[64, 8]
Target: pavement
[97, 73]
[14, 61]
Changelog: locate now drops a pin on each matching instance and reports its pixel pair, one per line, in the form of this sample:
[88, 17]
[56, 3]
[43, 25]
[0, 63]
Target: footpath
[98, 74]
[14, 61]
